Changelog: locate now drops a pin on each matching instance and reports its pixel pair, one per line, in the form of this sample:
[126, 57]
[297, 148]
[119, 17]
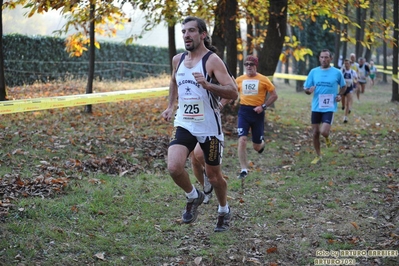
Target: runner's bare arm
[173, 93]
[228, 87]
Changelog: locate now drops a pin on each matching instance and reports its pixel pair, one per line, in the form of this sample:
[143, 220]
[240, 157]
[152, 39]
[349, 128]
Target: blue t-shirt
[327, 82]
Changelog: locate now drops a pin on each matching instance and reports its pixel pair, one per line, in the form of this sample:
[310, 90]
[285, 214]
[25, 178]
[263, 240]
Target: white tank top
[362, 73]
[198, 110]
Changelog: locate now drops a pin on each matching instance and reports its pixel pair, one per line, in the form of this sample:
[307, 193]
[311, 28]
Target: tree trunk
[345, 44]
[367, 55]
[384, 45]
[337, 44]
[231, 35]
[170, 18]
[288, 54]
[359, 32]
[395, 89]
[172, 45]
[250, 36]
[276, 31]
[218, 39]
[90, 78]
[363, 26]
[3, 93]
[377, 61]
[287, 69]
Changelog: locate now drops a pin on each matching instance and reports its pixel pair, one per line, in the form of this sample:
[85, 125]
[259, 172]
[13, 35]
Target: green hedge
[30, 59]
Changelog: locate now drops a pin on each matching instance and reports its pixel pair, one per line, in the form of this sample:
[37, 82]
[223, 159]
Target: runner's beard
[190, 46]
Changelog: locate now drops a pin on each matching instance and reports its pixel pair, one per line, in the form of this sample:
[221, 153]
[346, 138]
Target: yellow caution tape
[35, 104]
[382, 67]
[289, 76]
[385, 71]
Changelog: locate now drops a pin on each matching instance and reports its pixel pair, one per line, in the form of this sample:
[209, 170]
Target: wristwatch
[264, 106]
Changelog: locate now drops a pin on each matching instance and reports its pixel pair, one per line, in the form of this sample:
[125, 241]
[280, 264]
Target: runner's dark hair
[202, 28]
[326, 50]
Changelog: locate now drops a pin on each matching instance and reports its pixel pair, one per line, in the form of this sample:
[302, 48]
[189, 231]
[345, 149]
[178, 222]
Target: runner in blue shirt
[323, 82]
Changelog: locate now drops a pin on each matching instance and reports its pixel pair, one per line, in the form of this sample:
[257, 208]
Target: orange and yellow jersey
[253, 90]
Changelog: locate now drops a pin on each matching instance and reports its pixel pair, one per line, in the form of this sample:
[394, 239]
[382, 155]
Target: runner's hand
[167, 114]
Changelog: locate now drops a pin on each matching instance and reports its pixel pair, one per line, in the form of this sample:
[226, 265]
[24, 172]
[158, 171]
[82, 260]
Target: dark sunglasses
[249, 64]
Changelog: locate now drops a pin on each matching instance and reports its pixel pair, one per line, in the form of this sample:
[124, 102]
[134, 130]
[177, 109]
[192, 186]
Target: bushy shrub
[31, 59]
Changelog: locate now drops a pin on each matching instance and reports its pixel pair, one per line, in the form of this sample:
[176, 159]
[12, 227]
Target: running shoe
[242, 175]
[263, 148]
[208, 188]
[223, 223]
[345, 119]
[316, 160]
[190, 212]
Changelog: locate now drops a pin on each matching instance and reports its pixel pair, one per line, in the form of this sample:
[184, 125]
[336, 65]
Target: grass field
[81, 189]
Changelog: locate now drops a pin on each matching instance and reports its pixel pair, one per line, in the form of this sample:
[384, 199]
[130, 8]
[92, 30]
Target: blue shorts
[319, 117]
[249, 119]
[212, 147]
[348, 90]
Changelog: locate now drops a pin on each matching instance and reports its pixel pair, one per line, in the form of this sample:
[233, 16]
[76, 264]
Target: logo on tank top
[188, 81]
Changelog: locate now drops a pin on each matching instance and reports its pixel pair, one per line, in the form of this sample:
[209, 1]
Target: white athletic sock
[193, 194]
[244, 170]
[224, 208]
